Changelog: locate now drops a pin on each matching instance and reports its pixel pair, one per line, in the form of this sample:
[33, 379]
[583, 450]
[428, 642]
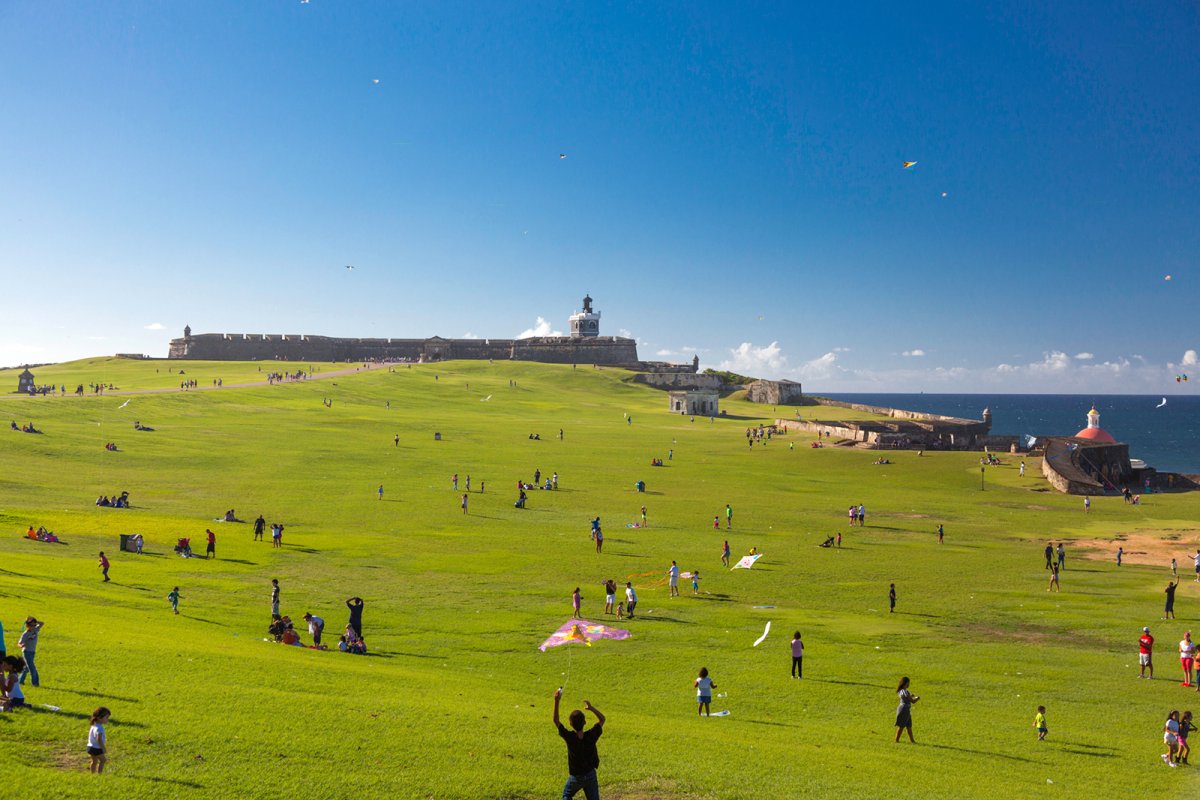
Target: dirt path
[1146, 547]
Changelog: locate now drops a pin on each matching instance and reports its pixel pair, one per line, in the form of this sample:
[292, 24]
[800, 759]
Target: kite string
[568, 675]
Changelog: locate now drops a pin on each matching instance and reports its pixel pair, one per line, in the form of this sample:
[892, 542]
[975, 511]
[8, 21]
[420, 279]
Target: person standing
[1146, 653]
[1053, 585]
[396, 440]
[599, 540]
[582, 756]
[3, 649]
[1169, 609]
[1187, 656]
[274, 595]
[454, 481]
[725, 554]
[1120, 553]
[467, 486]
[379, 491]
[1196, 559]
[1062, 556]
[576, 603]
[643, 516]
[1087, 503]
[853, 514]
[1049, 554]
[464, 503]
[728, 517]
[173, 597]
[630, 599]
[797, 657]
[892, 599]
[1022, 469]
[904, 710]
[260, 525]
[1039, 722]
[704, 686]
[673, 579]
[97, 741]
[211, 550]
[941, 534]
[355, 604]
[610, 595]
[28, 644]
[862, 515]
[104, 566]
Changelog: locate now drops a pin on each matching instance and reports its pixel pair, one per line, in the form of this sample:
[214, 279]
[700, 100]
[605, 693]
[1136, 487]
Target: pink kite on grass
[582, 632]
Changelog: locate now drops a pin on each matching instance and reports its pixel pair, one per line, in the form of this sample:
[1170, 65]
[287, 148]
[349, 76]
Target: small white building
[702, 402]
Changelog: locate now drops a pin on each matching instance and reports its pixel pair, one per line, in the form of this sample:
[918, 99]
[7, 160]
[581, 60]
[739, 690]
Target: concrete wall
[676, 380]
[775, 393]
[896, 413]
[606, 350]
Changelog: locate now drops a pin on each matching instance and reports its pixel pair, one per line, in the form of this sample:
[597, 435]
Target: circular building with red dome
[1093, 431]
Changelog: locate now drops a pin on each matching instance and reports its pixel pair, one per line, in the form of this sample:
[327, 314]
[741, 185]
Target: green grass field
[454, 700]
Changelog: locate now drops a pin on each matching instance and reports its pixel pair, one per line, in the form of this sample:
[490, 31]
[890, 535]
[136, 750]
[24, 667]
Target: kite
[908, 164]
[1163, 403]
[724, 713]
[562, 155]
[747, 561]
[766, 630]
[375, 80]
[123, 405]
[349, 267]
[582, 632]
[1179, 378]
[944, 194]
[485, 399]
[1167, 278]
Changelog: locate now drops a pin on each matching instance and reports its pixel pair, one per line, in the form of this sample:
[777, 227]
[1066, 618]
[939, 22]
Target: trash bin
[127, 543]
[437, 437]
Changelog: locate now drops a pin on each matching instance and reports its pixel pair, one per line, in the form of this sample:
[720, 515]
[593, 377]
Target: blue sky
[732, 186]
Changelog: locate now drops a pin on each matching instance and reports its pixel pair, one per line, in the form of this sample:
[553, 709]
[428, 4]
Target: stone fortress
[584, 345]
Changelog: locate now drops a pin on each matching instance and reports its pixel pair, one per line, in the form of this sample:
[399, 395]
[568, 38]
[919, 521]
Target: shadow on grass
[234, 561]
[713, 596]
[105, 696]
[172, 781]
[981, 753]
[915, 614]
[625, 555]
[1091, 753]
[202, 619]
[656, 618]
[300, 549]
[850, 683]
[765, 722]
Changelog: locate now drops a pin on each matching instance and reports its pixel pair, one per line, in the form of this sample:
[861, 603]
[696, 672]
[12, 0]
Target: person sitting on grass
[11, 695]
[276, 628]
[290, 636]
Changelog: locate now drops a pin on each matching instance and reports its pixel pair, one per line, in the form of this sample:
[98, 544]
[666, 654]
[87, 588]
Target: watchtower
[25, 384]
[585, 322]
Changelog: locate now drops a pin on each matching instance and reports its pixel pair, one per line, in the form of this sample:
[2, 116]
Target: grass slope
[454, 702]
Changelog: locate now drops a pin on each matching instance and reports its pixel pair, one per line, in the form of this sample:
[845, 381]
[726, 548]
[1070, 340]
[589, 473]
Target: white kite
[123, 405]
[760, 639]
[747, 561]
[485, 399]
[1163, 403]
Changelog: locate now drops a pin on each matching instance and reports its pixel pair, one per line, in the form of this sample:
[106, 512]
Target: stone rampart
[678, 381]
[605, 350]
[775, 393]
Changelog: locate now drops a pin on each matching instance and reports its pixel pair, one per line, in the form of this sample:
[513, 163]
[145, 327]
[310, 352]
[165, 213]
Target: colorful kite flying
[582, 632]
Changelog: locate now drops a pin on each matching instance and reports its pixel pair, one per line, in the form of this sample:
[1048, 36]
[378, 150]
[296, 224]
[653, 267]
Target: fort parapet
[606, 350]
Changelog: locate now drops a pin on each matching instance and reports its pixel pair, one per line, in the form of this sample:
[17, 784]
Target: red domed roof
[1096, 435]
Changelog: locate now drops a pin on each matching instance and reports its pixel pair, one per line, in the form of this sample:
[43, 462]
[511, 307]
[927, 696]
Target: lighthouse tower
[585, 322]
[1093, 430]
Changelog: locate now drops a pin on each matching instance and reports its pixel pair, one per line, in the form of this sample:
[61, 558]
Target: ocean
[1166, 438]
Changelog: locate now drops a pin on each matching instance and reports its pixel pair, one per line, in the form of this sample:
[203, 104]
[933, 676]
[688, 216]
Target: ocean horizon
[1166, 438]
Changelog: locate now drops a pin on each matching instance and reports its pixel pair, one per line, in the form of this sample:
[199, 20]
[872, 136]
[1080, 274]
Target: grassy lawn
[454, 700]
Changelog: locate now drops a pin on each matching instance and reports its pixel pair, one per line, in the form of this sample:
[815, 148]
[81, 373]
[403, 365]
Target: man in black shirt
[582, 758]
[355, 604]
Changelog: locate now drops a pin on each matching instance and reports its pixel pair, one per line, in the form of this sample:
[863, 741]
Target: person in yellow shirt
[1039, 722]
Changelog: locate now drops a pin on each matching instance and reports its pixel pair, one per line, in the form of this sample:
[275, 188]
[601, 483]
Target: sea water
[1167, 438]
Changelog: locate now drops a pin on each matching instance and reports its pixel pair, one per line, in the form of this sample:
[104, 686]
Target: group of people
[283, 630]
[116, 501]
[40, 535]
[26, 428]
[260, 527]
[857, 515]
[14, 669]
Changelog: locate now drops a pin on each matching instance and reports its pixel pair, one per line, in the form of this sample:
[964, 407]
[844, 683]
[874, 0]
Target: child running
[704, 687]
[173, 596]
[97, 742]
[1039, 722]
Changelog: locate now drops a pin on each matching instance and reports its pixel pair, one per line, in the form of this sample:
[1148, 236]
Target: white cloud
[841, 349]
[917, 353]
[754, 361]
[1084, 356]
[1189, 358]
[664, 352]
[540, 328]
[469, 335]
[821, 368]
[156, 326]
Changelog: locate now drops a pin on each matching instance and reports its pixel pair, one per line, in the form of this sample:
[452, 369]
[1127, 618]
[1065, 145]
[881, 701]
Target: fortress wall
[677, 380]
[607, 350]
[775, 393]
[897, 413]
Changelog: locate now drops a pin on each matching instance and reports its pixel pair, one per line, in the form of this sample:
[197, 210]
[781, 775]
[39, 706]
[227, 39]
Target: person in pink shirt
[104, 566]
